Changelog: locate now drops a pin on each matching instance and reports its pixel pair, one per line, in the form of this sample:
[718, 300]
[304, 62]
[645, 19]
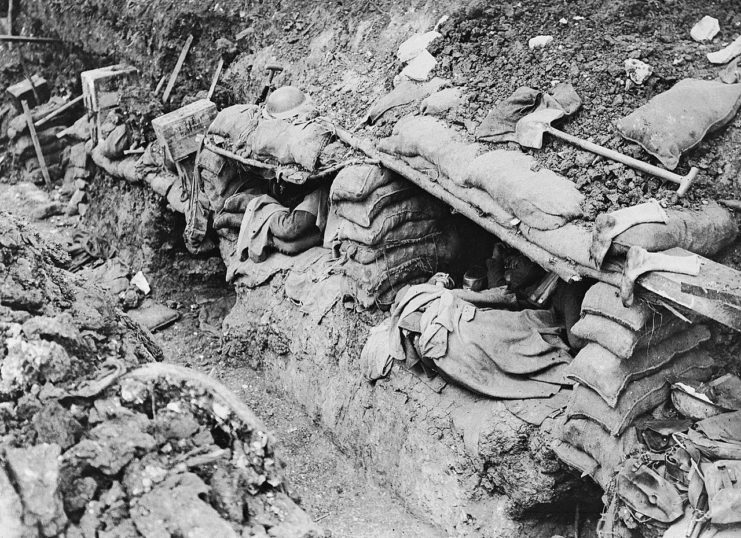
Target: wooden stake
[36, 144]
[159, 85]
[215, 80]
[22, 61]
[178, 67]
[53, 114]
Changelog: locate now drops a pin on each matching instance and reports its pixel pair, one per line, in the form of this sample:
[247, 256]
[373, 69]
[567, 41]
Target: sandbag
[120, 169]
[704, 231]
[621, 340]
[367, 254]
[366, 211]
[289, 143]
[406, 92]
[677, 120]
[431, 139]
[379, 288]
[236, 123]
[607, 450]
[640, 396]
[355, 183]
[539, 198]
[397, 218]
[608, 375]
[604, 300]
[116, 142]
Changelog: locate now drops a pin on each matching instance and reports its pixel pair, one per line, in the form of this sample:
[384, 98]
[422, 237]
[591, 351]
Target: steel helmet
[287, 102]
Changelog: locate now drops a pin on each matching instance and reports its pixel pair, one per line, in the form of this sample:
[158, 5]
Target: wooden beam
[53, 114]
[159, 85]
[178, 67]
[36, 144]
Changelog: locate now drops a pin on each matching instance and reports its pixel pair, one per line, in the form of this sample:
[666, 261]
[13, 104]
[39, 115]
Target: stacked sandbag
[624, 371]
[389, 232]
[23, 151]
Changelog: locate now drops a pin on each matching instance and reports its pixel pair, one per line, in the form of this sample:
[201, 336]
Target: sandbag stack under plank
[390, 232]
[624, 371]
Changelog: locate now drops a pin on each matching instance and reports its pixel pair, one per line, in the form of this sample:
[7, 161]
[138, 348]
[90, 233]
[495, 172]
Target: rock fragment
[35, 471]
[725, 55]
[705, 29]
[540, 41]
[27, 363]
[637, 70]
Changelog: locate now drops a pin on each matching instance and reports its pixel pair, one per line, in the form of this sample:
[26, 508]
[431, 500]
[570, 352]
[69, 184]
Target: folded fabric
[604, 300]
[499, 124]
[491, 352]
[375, 358]
[116, 142]
[222, 178]
[608, 375]
[623, 341]
[356, 182]
[640, 396]
[365, 211]
[254, 234]
[648, 493]
[677, 120]
[380, 289]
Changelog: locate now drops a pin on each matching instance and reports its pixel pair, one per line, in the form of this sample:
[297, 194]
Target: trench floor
[338, 494]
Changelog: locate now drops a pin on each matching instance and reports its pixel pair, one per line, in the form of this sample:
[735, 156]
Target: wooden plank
[215, 80]
[179, 131]
[178, 67]
[53, 114]
[28, 90]
[159, 85]
[28, 39]
[36, 144]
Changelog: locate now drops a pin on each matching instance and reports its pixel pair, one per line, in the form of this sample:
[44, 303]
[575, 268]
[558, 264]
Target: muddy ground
[337, 494]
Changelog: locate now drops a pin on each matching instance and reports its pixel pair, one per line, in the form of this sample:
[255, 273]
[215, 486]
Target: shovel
[529, 132]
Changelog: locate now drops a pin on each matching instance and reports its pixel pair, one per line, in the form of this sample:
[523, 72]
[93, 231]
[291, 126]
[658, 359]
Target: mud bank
[465, 464]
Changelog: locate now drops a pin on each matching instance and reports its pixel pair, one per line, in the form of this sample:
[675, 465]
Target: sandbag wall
[624, 371]
[390, 232]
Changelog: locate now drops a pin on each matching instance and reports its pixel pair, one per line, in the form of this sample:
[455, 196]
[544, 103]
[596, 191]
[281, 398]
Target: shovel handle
[684, 182]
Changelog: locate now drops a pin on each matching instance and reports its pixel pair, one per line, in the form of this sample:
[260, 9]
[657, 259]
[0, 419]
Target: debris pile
[99, 438]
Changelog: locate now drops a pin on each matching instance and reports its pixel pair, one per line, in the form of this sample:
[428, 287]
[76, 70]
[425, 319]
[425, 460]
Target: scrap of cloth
[499, 124]
[491, 352]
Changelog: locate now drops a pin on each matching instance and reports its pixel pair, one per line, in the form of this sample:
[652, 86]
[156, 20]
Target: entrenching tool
[272, 70]
[530, 129]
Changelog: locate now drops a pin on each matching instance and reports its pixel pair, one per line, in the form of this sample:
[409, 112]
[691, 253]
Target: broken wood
[27, 39]
[36, 144]
[639, 261]
[178, 67]
[53, 114]
[215, 80]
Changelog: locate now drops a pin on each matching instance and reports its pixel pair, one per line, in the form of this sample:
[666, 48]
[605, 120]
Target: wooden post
[178, 67]
[10, 17]
[53, 114]
[215, 80]
[36, 144]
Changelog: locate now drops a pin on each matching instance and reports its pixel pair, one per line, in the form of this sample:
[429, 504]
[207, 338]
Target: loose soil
[339, 496]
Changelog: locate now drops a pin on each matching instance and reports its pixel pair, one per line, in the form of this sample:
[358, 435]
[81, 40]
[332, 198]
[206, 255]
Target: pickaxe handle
[684, 182]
